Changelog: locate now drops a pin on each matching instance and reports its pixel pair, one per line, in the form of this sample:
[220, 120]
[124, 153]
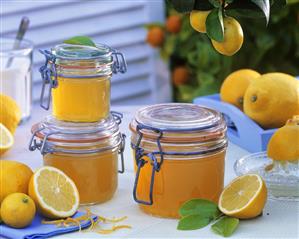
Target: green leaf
[225, 226]
[193, 222]
[183, 6]
[202, 207]
[80, 40]
[264, 5]
[247, 13]
[203, 5]
[215, 3]
[214, 25]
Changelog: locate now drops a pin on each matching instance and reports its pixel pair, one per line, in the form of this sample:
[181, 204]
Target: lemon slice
[244, 197]
[55, 194]
[6, 139]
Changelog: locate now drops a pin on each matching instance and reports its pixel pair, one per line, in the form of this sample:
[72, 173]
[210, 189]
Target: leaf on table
[202, 207]
[193, 222]
[214, 25]
[80, 40]
[225, 226]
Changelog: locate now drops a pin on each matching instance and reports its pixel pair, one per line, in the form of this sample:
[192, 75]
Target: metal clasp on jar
[140, 162]
[119, 62]
[49, 77]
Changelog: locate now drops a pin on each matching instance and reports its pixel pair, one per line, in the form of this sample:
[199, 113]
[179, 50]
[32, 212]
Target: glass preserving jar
[86, 152]
[78, 78]
[179, 151]
[16, 73]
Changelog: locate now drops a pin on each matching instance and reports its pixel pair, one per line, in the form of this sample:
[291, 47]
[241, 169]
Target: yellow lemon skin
[283, 145]
[10, 113]
[233, 37]
[272, 99]
[14, 177]
[17, 210]
[235, 85]
[198, 20]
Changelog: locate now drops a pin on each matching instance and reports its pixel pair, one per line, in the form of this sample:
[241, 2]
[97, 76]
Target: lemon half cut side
[244, 197]
[6, 139]
[54, 193]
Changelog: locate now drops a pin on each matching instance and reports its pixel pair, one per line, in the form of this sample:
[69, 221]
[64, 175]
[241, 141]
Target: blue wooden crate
[242, 130]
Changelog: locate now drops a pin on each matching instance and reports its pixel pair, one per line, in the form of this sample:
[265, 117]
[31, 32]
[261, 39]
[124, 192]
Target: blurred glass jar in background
[16, 73]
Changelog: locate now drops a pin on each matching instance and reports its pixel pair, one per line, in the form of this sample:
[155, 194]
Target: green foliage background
[265, 49]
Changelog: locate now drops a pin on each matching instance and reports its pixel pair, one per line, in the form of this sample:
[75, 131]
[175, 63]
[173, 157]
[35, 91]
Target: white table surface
[280, 219]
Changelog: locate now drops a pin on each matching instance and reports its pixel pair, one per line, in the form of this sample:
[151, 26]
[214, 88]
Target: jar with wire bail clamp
[179, 151]
[86, 152]
[77, 77]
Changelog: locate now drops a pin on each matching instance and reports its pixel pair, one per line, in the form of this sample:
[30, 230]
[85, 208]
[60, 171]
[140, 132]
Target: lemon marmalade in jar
[86, 152]
[179, 151]
[78, 79]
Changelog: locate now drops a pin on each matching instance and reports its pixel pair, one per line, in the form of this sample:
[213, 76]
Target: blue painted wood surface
[242, 130]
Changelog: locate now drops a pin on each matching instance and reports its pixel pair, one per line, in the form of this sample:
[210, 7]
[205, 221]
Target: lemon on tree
[180, 75]
[198, 20]
[272, 99]
[14, 177]
[155, 36]
[244, 197]
[233, 37]
[235, 85]
[54, 193]
[173, 24]
[17, 210]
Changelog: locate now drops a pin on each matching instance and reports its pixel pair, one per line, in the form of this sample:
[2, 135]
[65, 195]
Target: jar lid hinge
[140, 161]
[48, 72]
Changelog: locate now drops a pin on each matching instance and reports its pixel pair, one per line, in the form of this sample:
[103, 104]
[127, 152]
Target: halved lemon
[55, 194]
[244, 197]
[6, 139]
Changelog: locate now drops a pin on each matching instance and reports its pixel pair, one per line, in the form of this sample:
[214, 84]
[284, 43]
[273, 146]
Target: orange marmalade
[86, 152]
[79, 81]
[179, 151]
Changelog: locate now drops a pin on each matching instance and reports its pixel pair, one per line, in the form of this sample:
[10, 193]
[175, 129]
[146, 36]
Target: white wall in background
[118, 23]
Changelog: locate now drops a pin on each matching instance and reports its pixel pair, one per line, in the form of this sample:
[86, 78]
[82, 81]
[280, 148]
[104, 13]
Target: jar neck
[84, 68]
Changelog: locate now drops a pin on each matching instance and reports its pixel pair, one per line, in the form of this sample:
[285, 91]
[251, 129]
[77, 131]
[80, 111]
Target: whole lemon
[272, 99]
[235, 85]
[155, 36]
[14, 178]
[284, 144]
[198, 20]
[180, 75]
[173, 24]
[17, 210]
[10, 113]
[233, 37]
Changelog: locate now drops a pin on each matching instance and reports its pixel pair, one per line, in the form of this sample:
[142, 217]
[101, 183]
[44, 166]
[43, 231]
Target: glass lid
[63, 131]
[178, 117]
[81, 52]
